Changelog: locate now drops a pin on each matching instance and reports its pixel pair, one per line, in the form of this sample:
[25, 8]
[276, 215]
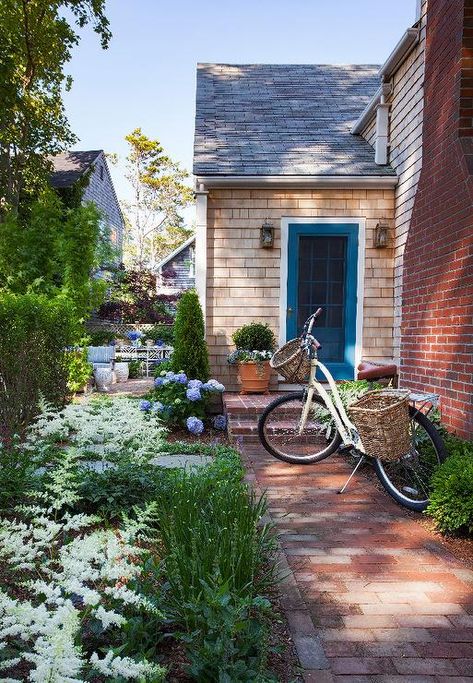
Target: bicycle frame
[346, 428]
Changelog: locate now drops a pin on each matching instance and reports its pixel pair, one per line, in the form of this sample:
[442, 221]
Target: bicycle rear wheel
[407, 480]
[279, 431]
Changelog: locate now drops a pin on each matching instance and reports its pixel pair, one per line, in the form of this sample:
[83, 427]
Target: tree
[55, 250]
[190, 349]
[154, 225]
[36, 41]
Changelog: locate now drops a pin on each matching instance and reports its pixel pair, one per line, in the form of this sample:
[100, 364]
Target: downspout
[382, 126]
[201, 246]
[379, 102]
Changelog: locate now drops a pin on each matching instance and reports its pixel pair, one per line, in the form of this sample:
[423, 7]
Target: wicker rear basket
[292, 362]
[382, 420]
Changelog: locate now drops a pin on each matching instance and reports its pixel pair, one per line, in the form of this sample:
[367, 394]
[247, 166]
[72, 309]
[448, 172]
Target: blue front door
[322, 271]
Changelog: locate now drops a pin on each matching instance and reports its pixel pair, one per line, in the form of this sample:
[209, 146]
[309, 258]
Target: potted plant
[254, 347]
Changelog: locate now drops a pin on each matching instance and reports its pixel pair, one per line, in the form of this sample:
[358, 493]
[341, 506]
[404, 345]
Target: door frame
[361, 223]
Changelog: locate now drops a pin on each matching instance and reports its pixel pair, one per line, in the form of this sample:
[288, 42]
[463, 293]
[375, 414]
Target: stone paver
[372, 595]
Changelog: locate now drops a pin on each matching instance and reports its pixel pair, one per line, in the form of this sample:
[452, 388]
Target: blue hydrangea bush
[182, 402]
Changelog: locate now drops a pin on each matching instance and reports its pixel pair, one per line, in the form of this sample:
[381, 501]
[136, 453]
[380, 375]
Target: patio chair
[101, 356]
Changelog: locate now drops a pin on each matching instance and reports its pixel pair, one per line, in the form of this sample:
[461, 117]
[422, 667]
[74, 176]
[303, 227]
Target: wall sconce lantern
[266, 239]
[381, 236]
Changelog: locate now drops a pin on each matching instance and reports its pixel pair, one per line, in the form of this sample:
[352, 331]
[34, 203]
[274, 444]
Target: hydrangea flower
[158, 382]
[195, 384]
[157, 407]
[145, 405]
[134, 335]
[213, 385]
[181, 377]
[194, 425]
[193, 394]
[220, 422]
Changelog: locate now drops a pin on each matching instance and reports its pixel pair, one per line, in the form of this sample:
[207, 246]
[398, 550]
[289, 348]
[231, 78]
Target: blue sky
[147, 76]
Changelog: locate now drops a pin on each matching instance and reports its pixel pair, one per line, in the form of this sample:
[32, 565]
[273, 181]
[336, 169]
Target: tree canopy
[154, 225]
[36, 39]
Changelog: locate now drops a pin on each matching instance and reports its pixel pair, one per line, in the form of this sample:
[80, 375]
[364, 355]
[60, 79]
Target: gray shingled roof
[289, 119]
[70, 166]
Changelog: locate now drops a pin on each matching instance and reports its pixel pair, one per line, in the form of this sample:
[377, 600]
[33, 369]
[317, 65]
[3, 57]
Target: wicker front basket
[382, 420]
[292, 362]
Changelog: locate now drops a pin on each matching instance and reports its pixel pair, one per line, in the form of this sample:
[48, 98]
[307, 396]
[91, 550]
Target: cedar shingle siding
[70, 166]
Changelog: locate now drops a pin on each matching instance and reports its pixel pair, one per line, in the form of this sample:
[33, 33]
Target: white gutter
[395, 59]
[265, 181]
[400, 52]
[367, 113]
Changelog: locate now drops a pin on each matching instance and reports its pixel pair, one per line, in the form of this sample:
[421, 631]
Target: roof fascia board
[365, 182]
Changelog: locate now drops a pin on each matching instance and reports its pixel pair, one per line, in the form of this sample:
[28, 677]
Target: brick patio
[372, 596]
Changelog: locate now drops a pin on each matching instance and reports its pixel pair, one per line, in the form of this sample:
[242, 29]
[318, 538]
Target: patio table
[148, 355]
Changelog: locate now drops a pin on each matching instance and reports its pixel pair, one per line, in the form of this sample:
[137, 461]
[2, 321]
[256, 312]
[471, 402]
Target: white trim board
[361, 222]
[373, 182]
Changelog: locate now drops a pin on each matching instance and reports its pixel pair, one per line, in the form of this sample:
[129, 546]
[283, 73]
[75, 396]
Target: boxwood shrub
[451, 500]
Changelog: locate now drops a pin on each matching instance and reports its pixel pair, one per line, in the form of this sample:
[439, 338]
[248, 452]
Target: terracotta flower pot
[254, 377]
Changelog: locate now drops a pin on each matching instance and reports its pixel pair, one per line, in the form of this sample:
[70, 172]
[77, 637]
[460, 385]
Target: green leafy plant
[229, 637]
[17, 473]
[36, 330]
[190, 349]
[116, 491]
[164, 366]
[451, 499]
[164, 333]
[211, 528]
[54, 251]
[79, 369]
[135, 368]
[101, 337]
[254, 337]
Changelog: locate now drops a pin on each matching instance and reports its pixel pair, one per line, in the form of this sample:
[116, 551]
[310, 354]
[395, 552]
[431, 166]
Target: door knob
[289, 311]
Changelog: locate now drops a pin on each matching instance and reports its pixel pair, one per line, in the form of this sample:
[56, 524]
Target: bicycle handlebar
[306, 338]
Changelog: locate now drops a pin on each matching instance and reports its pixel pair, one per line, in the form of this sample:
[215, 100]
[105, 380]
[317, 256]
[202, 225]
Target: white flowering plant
[112, 428]
[69, 588]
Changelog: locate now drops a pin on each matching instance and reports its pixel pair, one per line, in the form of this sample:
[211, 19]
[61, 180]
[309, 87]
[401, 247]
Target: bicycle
[306, 427]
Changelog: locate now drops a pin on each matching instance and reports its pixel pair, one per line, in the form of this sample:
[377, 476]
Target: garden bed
[135, 572]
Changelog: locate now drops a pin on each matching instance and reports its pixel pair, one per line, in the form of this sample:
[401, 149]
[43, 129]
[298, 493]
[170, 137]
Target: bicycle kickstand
[360, 461]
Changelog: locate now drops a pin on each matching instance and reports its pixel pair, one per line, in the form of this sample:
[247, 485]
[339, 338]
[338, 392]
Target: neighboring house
[334, 160]
[69, 167]
[176, 272]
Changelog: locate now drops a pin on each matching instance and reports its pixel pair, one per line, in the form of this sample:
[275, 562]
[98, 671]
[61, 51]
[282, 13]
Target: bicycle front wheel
[407, 480]
[280, 433]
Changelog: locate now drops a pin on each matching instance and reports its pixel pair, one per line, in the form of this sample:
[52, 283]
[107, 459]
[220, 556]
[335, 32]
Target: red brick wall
[437, 325]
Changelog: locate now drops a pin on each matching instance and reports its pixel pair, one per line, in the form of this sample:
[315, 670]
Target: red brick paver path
[373, 596]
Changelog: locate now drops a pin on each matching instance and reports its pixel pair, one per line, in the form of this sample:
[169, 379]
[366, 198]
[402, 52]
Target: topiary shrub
[36, 330]
[451, 500]
[190, 350]
[254, 337]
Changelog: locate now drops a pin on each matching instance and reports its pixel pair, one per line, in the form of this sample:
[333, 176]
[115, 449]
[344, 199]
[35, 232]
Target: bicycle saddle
[368, 370]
